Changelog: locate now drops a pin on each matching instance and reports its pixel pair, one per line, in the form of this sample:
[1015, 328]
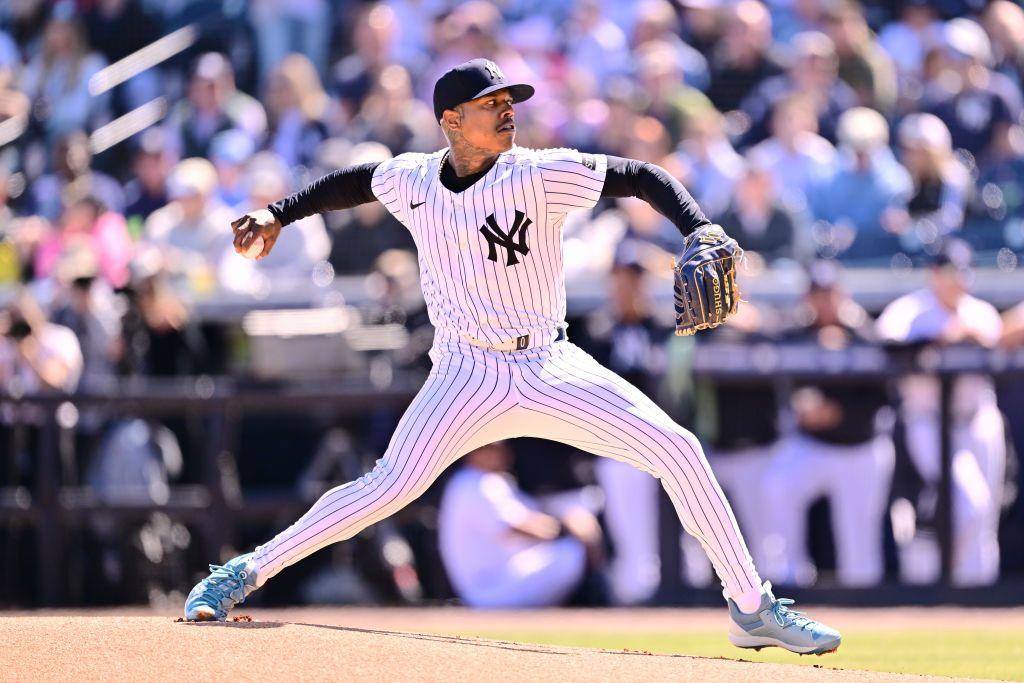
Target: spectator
[592, 245]
[26, 21]
[630, 340]
[743, 58]
[117, 29]
[864, 204]
[392, 116]
[595, 43]
[656, 20]
[944, 313]
[213, 105]
[711, 167]
[57, 79]
[230, 151]
[193, 231]
[14, 104]
[672, 102]
[1001, 180]
[701, 21]
[941, 183]
[160, 339]
[757, 220]
[26, 235]
[1004, 23]
[842, 448]
[796, 16]
[288, 27]
[814, 73]
[411, 46]
[72, 165]
[296, 110]
[87, 225]
[499, 548]
[863, 64]
[908, 40]
[6, 212]
[624, 101]
[976, 103]
[373, 36]
[88, 309]
[649, 139]
[367, 231]
[797, 158]
[474, 29]
[36, 355]
[536, 39]
[10, 59]
[147, 190]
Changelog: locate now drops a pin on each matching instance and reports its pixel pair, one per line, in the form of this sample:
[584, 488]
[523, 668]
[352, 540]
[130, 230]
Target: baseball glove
[705, 280]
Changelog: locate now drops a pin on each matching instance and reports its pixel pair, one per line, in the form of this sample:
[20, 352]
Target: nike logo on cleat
[413, 206]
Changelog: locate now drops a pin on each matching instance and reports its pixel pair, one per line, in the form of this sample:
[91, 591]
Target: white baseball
[255, 248]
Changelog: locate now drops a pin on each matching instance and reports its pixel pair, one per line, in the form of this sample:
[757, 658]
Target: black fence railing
[55, 504]
[741, 363]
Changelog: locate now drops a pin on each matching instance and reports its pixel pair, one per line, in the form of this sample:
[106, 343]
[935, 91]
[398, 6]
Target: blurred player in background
[740, 422]
[630, 340]
[944, 312]
[841, 449]
[499, 546]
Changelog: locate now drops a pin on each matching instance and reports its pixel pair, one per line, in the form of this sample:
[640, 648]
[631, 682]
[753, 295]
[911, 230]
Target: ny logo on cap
[496, 237]
[494, 71]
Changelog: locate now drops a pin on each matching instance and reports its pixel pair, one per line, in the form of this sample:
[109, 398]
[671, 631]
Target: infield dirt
[323, 644]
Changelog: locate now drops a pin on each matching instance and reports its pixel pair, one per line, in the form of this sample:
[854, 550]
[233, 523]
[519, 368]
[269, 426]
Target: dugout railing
[57, 504]
[785, 364]
[215, 507]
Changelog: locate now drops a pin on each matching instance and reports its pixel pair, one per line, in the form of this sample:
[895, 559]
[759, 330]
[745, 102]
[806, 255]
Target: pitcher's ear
[452, 119]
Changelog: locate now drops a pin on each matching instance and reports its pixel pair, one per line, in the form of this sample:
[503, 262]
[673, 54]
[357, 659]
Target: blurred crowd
[819, 132]
[871, 133]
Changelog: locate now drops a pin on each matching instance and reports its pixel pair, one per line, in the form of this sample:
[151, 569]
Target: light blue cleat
[775, 625]
[225, 587]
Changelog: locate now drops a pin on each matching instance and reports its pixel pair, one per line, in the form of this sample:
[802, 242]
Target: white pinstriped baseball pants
[473, 397]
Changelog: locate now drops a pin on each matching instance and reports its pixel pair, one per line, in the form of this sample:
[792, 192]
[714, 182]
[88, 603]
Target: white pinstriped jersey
[490, 256]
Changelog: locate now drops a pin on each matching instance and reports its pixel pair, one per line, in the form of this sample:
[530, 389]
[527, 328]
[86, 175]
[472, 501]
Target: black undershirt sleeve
[657, 187]
[343, 189]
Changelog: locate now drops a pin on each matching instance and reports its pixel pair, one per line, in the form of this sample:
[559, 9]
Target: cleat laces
[227, 581]
[786, 617]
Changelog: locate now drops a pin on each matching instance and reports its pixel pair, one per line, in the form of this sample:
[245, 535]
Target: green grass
[974, 653]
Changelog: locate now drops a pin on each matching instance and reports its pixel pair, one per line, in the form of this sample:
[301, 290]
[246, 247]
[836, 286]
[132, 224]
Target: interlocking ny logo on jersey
[514, 240]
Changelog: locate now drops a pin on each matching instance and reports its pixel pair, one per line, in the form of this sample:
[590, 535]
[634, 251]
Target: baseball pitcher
[487, 219]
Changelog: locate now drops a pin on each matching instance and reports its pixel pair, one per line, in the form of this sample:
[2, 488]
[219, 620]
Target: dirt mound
[107, 647]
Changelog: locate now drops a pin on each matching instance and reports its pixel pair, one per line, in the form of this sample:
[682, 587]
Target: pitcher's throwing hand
[259, 223]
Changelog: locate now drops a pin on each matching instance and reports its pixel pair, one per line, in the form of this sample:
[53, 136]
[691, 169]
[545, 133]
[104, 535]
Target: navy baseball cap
[473, 79]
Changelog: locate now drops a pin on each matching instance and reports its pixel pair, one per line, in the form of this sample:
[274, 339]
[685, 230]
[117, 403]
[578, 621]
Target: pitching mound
[111, 647]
